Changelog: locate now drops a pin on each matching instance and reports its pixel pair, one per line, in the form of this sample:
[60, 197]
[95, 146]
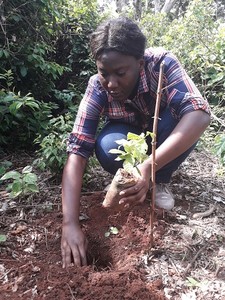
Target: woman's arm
[184, 135]
[73, 243]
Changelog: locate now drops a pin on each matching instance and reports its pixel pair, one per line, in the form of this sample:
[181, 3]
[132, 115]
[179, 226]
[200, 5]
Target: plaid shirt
[179, 94]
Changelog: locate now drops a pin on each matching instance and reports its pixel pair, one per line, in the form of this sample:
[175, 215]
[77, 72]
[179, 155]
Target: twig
[193, 260]
[5, 274]
[206, 213]
[155, 125]
[71, 292]
[218, 119]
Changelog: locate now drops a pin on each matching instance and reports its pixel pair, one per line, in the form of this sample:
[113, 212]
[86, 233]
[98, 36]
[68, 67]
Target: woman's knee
[166, 125]
[106, 141]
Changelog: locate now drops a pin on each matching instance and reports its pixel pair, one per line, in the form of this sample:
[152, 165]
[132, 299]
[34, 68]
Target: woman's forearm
[185, 134]
[71, 188]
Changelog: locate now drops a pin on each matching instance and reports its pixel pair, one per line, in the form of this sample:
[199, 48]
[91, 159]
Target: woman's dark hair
[121, 35]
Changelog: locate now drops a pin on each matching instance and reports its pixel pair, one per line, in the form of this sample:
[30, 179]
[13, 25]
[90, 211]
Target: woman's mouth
[116, 95]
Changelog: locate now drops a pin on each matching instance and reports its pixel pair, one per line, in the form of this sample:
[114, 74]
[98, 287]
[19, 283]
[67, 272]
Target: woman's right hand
[73, 246]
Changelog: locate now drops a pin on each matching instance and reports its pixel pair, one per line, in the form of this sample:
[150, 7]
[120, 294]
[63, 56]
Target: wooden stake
[154, 139]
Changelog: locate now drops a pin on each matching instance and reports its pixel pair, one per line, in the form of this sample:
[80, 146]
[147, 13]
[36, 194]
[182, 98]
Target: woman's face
[118, 73]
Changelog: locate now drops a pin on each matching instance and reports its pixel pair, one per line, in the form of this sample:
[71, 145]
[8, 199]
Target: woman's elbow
[206, 119]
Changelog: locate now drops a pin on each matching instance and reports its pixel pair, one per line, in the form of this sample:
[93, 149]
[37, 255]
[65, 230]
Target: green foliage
[45, 43]
[4, 166]
[72, 45]
[3, 238]
[23, 183]
[27, 44]
[22, 118]
[52, 147]
[112, 230]
[134, 150]
[219, 147]
[197, 38]
[52, 152]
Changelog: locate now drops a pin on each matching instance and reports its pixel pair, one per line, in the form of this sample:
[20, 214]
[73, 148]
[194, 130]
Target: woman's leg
[116, 131]
[166, 124]
[106, 141]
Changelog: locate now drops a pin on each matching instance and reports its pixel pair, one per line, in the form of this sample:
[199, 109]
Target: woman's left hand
[137, 193]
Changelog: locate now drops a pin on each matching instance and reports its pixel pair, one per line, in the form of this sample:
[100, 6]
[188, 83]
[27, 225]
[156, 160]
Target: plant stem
[153, 169]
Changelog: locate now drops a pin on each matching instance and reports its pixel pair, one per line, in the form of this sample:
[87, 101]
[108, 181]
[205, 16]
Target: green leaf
[128, 167]
[27, 169]
[17, 187]
[132, 136]
[116, 151]
[23, 71]
[3, 238]
[32, 188]
[6, 163]
[121, 142]
[2, 170]
[193, 282]
[114, 230]
[107, 234]
[30, 178]
[14, 107]
[6, 53]
[11, 175]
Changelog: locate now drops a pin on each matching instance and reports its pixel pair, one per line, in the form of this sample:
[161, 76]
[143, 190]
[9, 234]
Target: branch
[218, 119]
[168, 6]
[155, 125]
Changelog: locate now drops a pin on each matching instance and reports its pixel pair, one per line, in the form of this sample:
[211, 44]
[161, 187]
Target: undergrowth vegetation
[45, 64]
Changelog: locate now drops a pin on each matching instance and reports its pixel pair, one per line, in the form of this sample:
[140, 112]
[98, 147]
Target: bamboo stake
[155, 126]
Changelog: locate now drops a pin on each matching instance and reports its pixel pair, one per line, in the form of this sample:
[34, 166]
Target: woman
[124, 90]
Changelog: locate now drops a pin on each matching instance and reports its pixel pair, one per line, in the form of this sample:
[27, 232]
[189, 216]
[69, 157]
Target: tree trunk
[119, 6]
[157, 6]
[138, 9]
[168, 6]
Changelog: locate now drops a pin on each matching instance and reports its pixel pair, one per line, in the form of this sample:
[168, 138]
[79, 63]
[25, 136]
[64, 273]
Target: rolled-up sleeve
[182, 94]
[81, 140]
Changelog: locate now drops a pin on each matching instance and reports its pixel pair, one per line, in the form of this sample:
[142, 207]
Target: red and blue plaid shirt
[179, 93]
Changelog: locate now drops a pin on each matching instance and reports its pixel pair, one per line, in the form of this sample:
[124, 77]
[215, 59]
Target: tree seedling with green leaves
[112, 230]
[133, 151]
[22, 183]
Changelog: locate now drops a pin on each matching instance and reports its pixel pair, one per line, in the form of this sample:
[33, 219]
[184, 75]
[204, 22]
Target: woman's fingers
[137, 195]
[76, 256]
[74, 251]
[83, 255]
[66, 256]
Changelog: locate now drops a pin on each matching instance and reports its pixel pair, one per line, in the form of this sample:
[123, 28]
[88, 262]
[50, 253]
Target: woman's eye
[121, 74]
[103, 75]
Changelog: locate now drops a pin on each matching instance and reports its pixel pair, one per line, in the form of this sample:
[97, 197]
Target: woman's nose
[112, 82]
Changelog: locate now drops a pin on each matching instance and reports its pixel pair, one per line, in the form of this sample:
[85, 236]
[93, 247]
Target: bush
[21, 117]
[198, 39]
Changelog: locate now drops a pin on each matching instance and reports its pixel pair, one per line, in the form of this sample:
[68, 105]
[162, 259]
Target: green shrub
[22, 118]
[197, 38]
[219, 147]
[23, 183]
[52, 148]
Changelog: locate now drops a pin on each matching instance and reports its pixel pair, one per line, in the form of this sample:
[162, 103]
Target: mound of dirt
[186, 261]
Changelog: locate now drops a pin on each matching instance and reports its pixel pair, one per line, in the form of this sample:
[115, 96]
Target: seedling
[134, 151]
[4, 167]
[2, 238]
[22, 183]
[112, 230]
[191, 282]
